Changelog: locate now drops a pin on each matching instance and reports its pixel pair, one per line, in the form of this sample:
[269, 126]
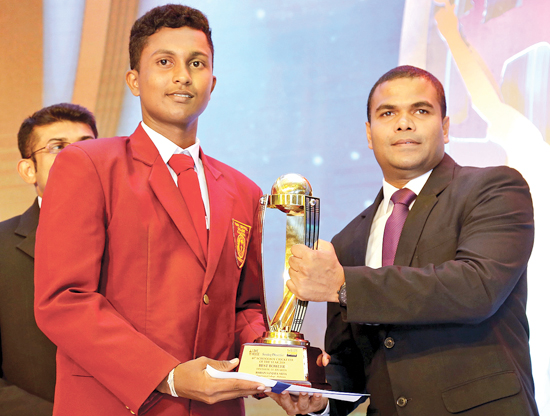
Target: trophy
[282, 353]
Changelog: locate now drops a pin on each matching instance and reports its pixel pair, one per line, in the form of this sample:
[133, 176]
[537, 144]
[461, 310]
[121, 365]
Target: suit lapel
[362, 232]
[425, 202]
[165, 190]
[221, 208]
[27, 228]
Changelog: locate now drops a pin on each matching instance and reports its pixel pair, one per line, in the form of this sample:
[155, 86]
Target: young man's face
[175, 78]
[57, 135]
[406, 131]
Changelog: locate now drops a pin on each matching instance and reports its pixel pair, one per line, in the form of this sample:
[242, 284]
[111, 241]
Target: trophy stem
[285, 313]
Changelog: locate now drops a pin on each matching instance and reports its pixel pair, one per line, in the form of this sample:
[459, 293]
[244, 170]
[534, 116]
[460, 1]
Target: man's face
[61, 131]
[175, 79]
[406, 130]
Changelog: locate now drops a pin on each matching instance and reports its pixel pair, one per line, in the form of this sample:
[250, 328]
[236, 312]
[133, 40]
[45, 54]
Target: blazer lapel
[362, 232]
[27, 228]
[221, 208]
[165, 190]
[425, 202]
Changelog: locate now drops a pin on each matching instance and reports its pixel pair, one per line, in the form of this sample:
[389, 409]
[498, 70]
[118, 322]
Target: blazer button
[389, 342]
[402, 401]
[206, 299]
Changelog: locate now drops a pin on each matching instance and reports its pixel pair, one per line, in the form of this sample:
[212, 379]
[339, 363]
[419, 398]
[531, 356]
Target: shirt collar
[414, 185]
[167, 148]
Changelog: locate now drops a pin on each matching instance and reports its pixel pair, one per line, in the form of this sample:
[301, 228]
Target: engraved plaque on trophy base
[285, 357]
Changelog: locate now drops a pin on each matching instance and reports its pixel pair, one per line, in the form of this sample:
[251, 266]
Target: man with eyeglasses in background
[27, 357]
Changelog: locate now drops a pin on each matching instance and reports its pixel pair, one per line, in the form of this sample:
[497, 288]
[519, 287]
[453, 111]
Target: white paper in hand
[278, 386]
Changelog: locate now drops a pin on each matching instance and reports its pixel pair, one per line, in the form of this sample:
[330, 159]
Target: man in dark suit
[439, 326]
[27, 357]
[159, 272]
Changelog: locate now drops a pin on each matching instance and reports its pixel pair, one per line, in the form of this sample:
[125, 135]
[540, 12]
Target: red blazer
[122, 286]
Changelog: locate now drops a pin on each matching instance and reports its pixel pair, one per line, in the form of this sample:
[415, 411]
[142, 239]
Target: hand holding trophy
[282, 353]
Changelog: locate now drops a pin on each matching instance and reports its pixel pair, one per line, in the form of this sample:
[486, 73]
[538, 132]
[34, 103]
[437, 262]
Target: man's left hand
[299, 404]
[315, 275]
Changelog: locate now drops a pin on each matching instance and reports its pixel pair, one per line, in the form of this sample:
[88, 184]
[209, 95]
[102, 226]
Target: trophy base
[286, 357]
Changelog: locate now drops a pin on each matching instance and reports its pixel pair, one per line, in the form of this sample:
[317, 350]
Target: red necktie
[401, 200]
[188, 184]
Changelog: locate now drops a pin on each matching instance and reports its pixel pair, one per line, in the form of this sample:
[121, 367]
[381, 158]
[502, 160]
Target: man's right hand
[193, 382]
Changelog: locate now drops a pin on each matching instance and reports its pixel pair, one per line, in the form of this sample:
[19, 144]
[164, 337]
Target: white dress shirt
[167, 148]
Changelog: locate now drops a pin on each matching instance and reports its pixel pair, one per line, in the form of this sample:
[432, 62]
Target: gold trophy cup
[282, 353]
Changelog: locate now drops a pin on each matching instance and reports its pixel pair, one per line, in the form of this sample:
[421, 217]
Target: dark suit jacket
[131, 294]
[27, 356]
[451, 333]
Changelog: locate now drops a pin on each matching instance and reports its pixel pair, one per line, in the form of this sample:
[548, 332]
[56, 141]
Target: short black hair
[49, 115]
[172, 16]
[408, 71]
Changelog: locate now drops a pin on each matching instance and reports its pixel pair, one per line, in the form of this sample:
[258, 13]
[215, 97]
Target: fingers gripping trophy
[282, 353]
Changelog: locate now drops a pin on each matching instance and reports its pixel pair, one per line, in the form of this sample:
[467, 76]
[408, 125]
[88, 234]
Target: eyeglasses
[53, 147]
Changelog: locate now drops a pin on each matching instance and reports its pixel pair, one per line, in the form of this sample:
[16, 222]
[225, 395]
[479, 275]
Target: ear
[132, 81]
[27, 170]
[446, 126]
[213, 83]
[369, 137]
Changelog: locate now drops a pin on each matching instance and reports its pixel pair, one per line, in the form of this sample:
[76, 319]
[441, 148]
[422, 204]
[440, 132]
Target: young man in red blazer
[135, 283]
